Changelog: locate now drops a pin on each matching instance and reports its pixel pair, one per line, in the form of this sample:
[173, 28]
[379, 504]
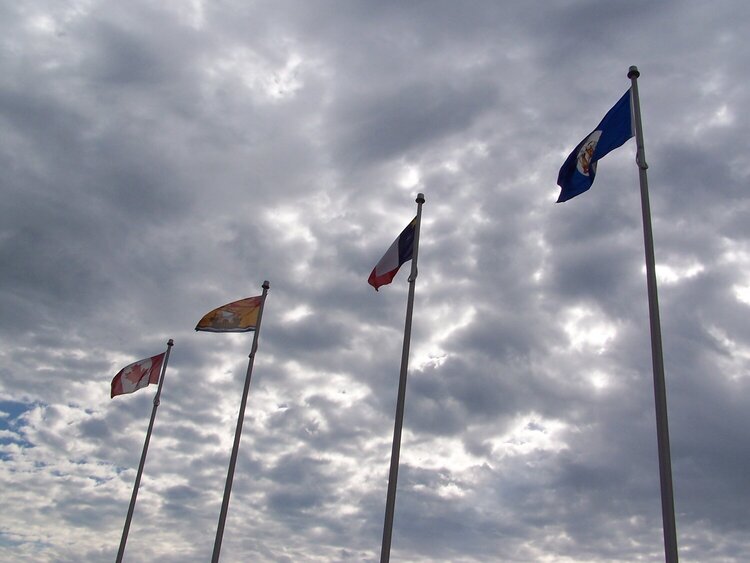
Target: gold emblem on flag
[586, 153]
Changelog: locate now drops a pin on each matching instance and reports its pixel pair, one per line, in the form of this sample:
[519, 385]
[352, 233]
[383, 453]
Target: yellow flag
[238, 316]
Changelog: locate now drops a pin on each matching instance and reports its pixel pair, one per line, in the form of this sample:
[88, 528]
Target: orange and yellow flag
[238, 316]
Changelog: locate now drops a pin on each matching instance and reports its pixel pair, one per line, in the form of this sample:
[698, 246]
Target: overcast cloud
[160, 159]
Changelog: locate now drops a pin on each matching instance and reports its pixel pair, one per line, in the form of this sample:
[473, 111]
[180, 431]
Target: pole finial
[420, 198]
[633, 72]
[266, 285]
[170, 342]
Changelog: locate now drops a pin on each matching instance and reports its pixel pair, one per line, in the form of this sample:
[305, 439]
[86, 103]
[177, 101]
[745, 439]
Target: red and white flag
[137, 375]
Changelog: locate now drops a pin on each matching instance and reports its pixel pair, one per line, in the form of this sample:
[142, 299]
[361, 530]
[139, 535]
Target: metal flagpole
[238, 433]
[137, 484]
[390, 505]
[660, 391]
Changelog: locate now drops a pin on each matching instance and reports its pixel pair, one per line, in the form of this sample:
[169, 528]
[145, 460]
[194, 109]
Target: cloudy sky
[160, 159]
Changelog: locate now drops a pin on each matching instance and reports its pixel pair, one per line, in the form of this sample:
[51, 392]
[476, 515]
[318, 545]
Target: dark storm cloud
[387, 123]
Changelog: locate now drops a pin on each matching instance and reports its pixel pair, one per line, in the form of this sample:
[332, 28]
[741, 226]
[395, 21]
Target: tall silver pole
[126, 528]
[238, 433]
[390, 505]
[657, 358]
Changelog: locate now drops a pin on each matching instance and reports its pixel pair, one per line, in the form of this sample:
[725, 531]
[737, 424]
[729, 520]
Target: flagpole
[390, 505]
[238, 432]
[657, 358]
[137, 484]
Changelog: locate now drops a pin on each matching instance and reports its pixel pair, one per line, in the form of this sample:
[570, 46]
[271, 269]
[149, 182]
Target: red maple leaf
[136, 373]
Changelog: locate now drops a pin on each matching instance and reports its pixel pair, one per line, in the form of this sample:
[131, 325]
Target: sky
[161, 159]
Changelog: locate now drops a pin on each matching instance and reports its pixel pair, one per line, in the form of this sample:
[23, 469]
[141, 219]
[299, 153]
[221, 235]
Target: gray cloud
[161, 161]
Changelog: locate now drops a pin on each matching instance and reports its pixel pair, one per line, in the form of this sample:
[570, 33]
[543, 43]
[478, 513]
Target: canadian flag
[137, 375]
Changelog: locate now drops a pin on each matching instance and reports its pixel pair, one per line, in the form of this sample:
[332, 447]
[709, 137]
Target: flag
[577, 173]
[400, 251]
[238, 316]
[137, 375]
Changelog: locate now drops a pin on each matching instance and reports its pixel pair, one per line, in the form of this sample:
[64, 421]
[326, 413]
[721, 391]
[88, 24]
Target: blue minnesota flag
[577, 173]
